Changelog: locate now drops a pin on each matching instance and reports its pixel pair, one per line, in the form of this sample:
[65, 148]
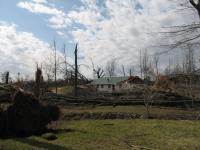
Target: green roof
[109, 80]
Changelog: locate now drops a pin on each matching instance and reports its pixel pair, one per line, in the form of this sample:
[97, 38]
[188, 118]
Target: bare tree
[141, 70]
[130, 72]
[190, 69]
[5, 78]
[168, 69]
[187, 33]
[51, 65]
[148, 95]
[177, 69]
[146, 65]
[98, 71]
[48, 69]
[123, 69]
[55, 64]
[156, 61]
[190, 62]
[146, 70]
[111, 67]
[65, 68]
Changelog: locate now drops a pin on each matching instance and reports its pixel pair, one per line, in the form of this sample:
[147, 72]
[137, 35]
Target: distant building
[116, 84]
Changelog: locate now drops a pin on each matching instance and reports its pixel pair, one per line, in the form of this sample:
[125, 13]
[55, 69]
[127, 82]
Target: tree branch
[193, 4]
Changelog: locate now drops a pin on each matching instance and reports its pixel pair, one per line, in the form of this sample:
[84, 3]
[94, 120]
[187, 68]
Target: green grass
[116, 135]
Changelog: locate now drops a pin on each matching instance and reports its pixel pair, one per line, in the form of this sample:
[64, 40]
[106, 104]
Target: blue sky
[104, 29]
[37, 23]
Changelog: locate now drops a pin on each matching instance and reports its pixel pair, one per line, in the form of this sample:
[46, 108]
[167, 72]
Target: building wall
[128, 86]
[108, 88]
[117, 88]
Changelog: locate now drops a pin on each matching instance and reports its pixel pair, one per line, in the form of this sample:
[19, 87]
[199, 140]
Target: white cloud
[20, 51]
[123, 28]
[114, 29]
[57, 18]
[60, 33]
[39, 8]
[40, 1]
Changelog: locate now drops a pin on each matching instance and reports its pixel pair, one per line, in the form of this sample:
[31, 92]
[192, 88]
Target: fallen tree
[160, 98]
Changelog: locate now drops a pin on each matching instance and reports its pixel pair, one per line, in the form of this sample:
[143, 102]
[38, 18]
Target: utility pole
[76, 72]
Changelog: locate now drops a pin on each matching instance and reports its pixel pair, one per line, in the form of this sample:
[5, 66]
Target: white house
[116, 84]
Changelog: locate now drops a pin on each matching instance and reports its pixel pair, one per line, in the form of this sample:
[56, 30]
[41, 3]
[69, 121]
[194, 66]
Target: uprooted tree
[22, 114]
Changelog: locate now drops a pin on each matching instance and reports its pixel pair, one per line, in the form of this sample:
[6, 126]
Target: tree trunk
[38, 78]
[55, 65]
[7, 77]
[76, 72]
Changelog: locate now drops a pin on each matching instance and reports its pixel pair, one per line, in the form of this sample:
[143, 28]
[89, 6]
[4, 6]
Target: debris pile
[164, 83]
[21, 114]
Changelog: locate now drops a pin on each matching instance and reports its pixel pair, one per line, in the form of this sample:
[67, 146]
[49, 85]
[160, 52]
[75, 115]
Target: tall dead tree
[130, 72]
[168, 69]
[38, 81]
[123, 69]
[55, 65]
[98, 71]
[111, 67]
[65, 67]
[146, 65]
[155, 61]
[190, 61]
[190, 69]
[7, 77]
[76, 72]
[141, 64]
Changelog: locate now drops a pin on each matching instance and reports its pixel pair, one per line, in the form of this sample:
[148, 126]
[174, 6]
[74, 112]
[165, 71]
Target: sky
[103, 29]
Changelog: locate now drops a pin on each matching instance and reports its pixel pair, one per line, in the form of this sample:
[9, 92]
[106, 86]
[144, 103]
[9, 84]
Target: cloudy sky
[104, 30]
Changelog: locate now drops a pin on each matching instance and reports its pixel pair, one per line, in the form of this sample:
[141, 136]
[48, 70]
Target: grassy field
[116, 135]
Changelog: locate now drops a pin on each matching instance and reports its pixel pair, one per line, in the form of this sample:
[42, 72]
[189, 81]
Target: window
[113, 87]
[102, 86]
[97, 86]
[109, 86]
